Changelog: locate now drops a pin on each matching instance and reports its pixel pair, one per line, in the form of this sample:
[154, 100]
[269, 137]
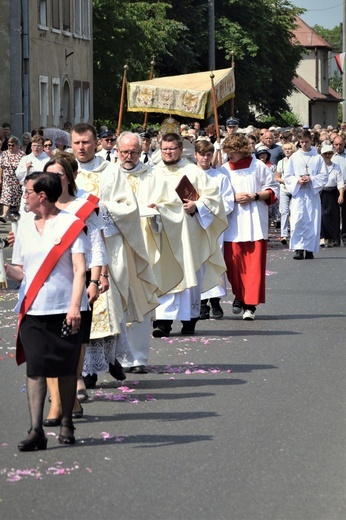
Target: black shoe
[161, 331]
[116, 371]
[309, 255]
[205, 310]
[216, 309]
[298, 254]
[139, 369]
[188, 328]
[52, 422]
[35, 441]
[283, 241]
[82, 395]
[67, 439]
[90, 380]
[78, 414]
[237, 306]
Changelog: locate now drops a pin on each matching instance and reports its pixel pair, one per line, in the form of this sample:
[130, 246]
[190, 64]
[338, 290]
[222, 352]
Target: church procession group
[142, 234]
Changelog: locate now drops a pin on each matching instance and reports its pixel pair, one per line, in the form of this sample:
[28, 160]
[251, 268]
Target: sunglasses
[110, 140]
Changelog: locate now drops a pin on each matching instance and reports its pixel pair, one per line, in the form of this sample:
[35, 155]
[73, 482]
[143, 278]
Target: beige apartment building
[46, 64]
[313, 99]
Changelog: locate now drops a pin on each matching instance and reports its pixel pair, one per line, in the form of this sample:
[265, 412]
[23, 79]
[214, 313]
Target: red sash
[92, 198]
[86, 210]
[42, 274]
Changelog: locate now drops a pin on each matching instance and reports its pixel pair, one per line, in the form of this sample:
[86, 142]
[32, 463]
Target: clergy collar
[139, 168]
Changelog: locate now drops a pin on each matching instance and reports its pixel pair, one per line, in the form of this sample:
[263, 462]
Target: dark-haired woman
[49, 257]
[11, 190]
[95, 259]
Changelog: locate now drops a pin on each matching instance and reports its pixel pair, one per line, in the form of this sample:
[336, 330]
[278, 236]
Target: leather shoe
[90, 380]
[116, 371]
[139, 369]
[161, 332]
[67, 439]
[298, 254]
[78, 414]
[52, 422]
[36, 440]
[82, 395]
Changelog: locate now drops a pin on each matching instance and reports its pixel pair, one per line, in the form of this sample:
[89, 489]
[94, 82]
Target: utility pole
[211, 34]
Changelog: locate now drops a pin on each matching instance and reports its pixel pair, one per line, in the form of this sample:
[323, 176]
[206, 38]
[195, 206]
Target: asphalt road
[244, 421]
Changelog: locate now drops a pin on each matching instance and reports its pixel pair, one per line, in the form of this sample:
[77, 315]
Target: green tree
[260, 34]
[176, 31]
[127, 32]
[336, 82]
[332, 36]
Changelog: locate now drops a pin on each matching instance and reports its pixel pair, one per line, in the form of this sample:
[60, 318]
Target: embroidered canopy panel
[186, 95]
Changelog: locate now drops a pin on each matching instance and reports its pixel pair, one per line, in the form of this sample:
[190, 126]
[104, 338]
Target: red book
[186, 190]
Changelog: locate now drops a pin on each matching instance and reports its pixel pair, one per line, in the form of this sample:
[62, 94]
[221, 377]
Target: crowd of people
[119, 237]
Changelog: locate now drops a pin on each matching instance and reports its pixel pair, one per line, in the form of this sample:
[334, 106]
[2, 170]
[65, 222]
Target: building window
[56, 101]
[86, 102]
[42, 13]
[82, 18]
[66, 16]
[77, 102]
[43, 93]
[86, 19]
[55, 14]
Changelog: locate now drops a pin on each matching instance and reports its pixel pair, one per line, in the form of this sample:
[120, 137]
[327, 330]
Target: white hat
[327, 148]
[249, 130]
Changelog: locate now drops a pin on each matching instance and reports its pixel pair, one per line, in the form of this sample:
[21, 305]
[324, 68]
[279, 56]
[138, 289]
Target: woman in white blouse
[49, 261]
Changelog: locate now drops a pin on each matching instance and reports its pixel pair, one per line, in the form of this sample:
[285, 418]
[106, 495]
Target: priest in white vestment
[197, 243]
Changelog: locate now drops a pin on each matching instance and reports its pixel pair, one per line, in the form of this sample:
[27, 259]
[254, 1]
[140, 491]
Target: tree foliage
[260, 34]
[127, 33]
[332, 36]
[176, 32]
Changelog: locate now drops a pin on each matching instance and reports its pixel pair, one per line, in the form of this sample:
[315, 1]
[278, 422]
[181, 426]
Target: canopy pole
[232, 99]
[152, 65]
[217, 129]
[121, 108]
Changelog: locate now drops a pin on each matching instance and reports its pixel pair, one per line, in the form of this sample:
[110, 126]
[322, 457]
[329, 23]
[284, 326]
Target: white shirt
[55, 295]
[249, 222]
[103, 153]
[37, 165]
[149, 162]
[335, 178]
[340, 159]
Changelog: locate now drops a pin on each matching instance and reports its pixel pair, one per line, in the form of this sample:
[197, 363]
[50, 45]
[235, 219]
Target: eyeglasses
[110, 140]
[128, 152]
[10, 145]
[47, 145]
[169, 150]
[27, 192]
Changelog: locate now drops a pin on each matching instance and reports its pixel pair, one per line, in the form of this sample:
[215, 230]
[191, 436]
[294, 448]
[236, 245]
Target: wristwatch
[256, 196]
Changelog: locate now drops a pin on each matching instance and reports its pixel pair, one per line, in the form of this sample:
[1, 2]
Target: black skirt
[46, 352]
